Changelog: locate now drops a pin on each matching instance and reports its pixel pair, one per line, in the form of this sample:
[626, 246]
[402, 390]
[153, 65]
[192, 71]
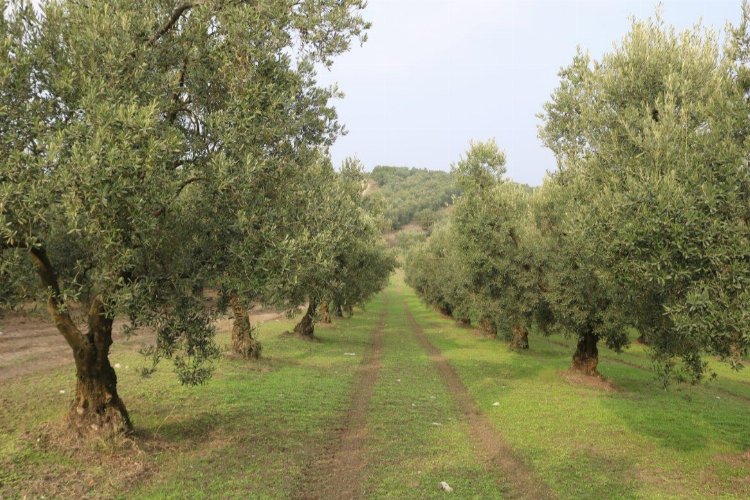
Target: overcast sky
[435, 74]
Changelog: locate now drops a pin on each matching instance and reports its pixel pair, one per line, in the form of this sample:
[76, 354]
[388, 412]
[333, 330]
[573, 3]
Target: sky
[435, 74]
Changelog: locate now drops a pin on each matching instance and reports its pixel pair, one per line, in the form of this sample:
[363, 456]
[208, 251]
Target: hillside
[411, 194]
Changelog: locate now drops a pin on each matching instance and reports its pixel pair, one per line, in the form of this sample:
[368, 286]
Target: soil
[338, 470]
[30, 342]
[594, 381]
[489, 445]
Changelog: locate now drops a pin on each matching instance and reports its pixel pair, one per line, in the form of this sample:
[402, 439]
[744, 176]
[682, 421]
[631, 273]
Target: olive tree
[341, 256]
[652, 143]
[117, 118]
[576, 300]
[495, 234]
[437, 271]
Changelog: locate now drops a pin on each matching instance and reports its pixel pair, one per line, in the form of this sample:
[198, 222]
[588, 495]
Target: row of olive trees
[644, 226]
[150, 149]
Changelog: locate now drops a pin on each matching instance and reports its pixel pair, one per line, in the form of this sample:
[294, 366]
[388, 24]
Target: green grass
[417, 438]
[247, 432]
[253, 428]
[639, 441]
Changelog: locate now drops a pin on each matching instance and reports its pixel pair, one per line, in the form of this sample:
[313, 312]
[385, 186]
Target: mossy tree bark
[243, 342]
[306, 326]
[586, 357]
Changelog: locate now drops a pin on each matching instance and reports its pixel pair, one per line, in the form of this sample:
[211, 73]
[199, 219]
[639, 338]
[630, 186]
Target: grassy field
[259, 429]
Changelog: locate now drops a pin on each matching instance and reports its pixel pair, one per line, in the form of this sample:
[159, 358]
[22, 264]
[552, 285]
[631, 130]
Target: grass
[254, 428]
[417, 438]
[638, 441]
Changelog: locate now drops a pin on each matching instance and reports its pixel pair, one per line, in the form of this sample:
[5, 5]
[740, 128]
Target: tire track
[338, 470]
[489, 445]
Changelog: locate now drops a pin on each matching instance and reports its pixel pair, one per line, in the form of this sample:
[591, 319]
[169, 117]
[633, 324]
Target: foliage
[137, 141]
[342, 258]
[437, 271]
[412, 194]
[652, 147]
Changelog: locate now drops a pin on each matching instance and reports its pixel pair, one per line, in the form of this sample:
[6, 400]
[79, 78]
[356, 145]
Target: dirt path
[338, 470]
[490, 446]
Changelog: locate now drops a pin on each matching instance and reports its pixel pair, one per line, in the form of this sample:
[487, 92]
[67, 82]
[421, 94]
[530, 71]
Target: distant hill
[412, 195]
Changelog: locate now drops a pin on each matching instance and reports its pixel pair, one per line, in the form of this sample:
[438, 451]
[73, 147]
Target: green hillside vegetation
[412, 194]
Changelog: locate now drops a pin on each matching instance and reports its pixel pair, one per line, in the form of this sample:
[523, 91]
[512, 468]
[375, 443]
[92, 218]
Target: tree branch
[55, 306]
[176, 15]
[180, 188]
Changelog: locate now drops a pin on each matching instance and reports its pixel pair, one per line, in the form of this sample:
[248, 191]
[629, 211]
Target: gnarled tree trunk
[586, 357]
[520, 338]
[243, 342]
[324, 314]
[306, 326]
[97, 406]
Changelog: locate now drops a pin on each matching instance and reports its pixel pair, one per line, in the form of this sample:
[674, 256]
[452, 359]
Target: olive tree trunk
[520, 337]
[306, 326]
[97, 407]
[243, 342]
[586, 357]
[324, 314]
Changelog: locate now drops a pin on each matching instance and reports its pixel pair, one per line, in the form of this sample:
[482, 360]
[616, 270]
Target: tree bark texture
[306, 326]
[243, 342]
[97, 407]
[324, 314]
[586, 357]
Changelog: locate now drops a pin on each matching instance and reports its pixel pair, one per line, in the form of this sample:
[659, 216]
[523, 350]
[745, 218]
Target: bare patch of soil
[338, 470]
[739, 459]
[593, 381]
[488, 443]
[30, 343]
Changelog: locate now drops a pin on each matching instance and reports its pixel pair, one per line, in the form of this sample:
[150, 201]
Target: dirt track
[338, 472]
[489, 445]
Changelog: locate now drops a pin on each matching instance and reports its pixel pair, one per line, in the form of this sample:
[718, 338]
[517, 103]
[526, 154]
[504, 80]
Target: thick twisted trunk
[520, 338]
[324, 314]
[243, 342]
[306, 326]
[586, 357]
[97, 406]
